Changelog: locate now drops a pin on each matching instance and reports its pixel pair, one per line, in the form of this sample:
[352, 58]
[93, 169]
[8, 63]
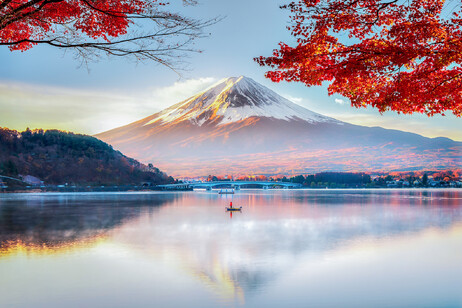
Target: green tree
[9, 168]
[425, 180]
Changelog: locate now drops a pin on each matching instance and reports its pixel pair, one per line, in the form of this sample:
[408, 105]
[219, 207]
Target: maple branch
[129, 15]
[30, 13]
[108, 26]
[112, 48]
[390, 54]
[25, 6]
[4, 4]
[377, 12]
[444, 81]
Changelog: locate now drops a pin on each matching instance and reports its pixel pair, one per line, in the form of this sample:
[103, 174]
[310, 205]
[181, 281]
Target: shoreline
[154, 189]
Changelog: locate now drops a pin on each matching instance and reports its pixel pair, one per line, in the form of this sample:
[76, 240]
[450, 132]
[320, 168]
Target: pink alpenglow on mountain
[240, 127]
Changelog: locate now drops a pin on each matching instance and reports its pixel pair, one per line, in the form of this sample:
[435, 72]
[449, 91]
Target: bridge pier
[237, 187]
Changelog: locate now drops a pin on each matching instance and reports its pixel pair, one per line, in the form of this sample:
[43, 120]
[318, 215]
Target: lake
[287, 248]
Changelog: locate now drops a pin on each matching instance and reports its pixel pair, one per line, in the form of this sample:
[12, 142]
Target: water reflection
[275, 247]
[274, 230]
[60, 220]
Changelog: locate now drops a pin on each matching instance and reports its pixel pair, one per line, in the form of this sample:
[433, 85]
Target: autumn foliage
[393, 55]
[143, 29]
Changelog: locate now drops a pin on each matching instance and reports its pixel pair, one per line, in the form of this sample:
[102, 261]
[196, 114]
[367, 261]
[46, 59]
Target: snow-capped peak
[234, 99]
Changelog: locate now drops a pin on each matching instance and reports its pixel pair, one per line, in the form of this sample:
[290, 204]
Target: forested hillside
[58, 157]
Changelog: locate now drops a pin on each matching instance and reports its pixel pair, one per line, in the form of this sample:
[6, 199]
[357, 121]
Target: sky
[45, 87]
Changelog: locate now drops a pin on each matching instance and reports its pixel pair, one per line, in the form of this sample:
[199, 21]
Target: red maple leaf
[393, 55]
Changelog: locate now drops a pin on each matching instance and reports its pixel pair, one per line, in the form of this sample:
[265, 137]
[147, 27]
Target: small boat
[233, 209]
[226, 192]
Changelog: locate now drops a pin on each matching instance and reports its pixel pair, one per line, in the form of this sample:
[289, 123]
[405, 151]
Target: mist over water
[295, 248]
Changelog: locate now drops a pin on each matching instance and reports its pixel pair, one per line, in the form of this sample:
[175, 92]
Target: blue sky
[45, 87]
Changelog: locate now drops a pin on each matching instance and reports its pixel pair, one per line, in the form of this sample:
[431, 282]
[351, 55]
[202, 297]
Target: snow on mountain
[235, 99]
[240, 127]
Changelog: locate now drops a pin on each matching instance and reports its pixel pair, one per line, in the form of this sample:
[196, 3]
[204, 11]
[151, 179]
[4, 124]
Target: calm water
[288, 248]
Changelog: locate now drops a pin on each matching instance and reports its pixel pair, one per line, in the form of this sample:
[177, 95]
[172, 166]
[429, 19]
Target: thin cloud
[85, 111]
[180, 90]
[294, 99]
[419, 124]
[340, 101]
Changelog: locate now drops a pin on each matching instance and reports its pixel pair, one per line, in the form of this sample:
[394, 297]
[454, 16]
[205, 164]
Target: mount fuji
[240, 127]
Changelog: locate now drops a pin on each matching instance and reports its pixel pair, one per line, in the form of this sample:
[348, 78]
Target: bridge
[231, 184]
[10, 178]
[2, 185]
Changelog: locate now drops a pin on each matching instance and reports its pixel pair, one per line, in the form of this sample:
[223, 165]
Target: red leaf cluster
[395, 55]
[26, 22]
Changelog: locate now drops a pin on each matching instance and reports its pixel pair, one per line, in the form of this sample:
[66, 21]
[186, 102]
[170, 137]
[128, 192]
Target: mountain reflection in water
[58, 220]
[191, 236]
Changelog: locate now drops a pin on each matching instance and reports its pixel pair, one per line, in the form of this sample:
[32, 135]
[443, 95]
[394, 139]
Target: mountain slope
[238, 126]
[58, 157]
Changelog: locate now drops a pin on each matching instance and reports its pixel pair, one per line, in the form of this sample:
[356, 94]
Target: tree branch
[166, 40]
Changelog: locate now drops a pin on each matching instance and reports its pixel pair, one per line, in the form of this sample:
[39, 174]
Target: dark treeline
[57, 157]
[331, 179]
